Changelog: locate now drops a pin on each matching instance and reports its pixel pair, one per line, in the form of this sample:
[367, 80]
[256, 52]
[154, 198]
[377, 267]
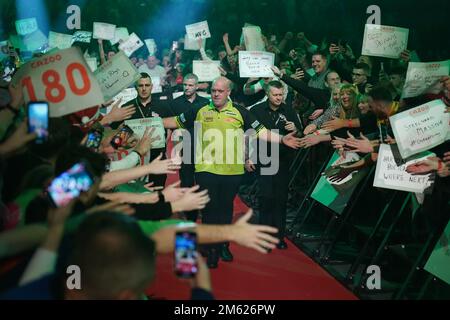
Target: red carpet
[280, 275]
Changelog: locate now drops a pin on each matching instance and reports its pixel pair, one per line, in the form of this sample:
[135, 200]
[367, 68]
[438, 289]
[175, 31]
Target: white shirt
[158, 71]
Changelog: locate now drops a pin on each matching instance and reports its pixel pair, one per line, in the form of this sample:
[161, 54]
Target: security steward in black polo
[274, 114]
[189, 100]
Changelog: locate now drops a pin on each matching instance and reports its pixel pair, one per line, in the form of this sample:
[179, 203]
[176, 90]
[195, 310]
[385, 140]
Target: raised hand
[167, 166]
[118, 114]
[309, 141]
[333, 124]
[191, 200]
[290, 126]
[424, 166]
[291, 140]
[299, 74]
[173, 192]
[362, 145]
[249, 165]
[316, 114]
[253, 236]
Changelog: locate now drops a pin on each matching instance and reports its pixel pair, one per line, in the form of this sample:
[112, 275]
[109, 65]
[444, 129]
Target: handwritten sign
[253, 38]
[26, 26]
[126, 95]
[389, 175]
[35, 41]
[121, 34]
[115, 75]
[420, 128]
[424, 77]
[384, 41]
[131, 44]
[255, 64]
[199, 30]
[206, 70]
[63, 79]
[104, 31]
[151, 46]
[139, 126]
[59, 40]
[191, 44]
[157, 86]
[82, 36]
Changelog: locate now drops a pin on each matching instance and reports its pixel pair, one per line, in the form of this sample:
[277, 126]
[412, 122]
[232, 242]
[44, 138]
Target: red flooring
[280, 275]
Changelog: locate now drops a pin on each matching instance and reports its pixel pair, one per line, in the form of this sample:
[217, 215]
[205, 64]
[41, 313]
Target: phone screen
[121, 137]
[38, 120]
[70, 184]
[94, 139]
[186, 254]
[174, 45]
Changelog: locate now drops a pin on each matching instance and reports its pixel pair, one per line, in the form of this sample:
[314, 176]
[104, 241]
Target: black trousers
[222, 191]
[273, 197]
[187, 177]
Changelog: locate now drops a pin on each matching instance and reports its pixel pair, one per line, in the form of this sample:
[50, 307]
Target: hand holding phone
[121, 137]
[94, 139]
[69, 185]
[38, 120]
[186, 264]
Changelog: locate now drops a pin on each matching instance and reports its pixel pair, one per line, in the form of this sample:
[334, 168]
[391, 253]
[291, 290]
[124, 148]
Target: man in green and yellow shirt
[219, 154]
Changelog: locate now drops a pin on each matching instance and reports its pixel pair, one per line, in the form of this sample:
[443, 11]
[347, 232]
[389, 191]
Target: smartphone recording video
[70, 184]
[94, 139]
[121, 137]
[186, 265]
[38, 120]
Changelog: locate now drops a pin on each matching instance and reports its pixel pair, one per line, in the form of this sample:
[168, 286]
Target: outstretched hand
[253, 236]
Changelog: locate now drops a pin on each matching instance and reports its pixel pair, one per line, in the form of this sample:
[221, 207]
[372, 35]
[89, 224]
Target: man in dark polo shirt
[147, 107]
[190, 99]
[275, 115]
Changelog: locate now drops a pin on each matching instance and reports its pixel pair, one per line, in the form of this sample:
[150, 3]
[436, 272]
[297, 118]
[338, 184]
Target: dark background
[164, 20]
